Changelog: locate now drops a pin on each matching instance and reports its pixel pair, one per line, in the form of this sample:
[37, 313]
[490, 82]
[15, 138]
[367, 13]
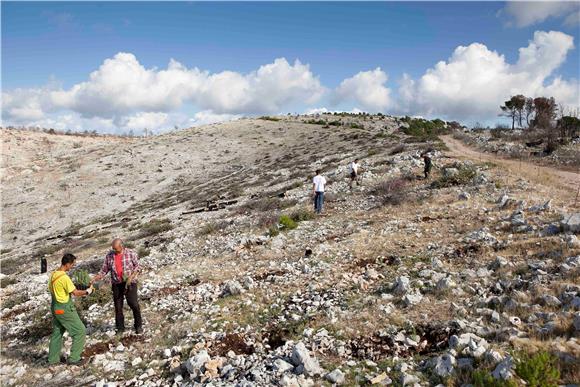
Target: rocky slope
[402, 281]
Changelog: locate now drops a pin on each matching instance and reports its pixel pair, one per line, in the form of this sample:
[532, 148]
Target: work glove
[90, 290]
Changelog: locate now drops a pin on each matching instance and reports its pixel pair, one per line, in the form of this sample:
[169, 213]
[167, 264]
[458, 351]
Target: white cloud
[526, 13]
[124, 90]
[122, 85]
[208, 117]
[24, 104]
[145, 120]
[122, 94]
[475, 80]
[366, 88]
[319, 110]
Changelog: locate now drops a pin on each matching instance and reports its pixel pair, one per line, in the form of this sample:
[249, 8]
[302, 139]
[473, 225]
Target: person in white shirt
[318, 184]
[353, 168]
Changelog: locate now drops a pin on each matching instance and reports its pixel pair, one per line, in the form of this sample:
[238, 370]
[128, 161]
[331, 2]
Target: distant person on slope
[428, 163]
[318, 184]
[123, 264]
[64, 314]
[353, 169]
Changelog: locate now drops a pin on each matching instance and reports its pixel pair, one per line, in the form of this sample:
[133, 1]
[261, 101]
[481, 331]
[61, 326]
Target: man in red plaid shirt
[123, 264]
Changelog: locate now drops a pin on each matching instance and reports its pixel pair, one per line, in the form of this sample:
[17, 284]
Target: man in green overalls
[64, 314]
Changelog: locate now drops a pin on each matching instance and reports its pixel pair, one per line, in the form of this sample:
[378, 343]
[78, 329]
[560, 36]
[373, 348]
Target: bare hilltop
[469, 277]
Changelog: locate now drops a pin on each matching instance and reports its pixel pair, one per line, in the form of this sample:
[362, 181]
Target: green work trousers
[66, 318]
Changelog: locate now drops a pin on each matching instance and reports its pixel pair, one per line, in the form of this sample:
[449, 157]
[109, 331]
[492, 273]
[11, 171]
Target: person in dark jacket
[428, 163]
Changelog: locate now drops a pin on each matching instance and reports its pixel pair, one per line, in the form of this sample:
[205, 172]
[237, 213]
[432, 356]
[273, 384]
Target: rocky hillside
[469, 277]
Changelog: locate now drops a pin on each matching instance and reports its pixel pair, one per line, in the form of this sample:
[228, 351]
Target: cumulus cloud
[145, 120]
[475, 80]
[367, 88]
[122, 94]
[123, 90]
[208, 117]
[526, 13]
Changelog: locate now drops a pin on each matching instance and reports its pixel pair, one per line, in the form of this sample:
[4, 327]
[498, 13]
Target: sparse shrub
[316, 122]
[355, 125]
[154, 227]
[47, 250]
[211, 227]
[7, 282]
[302, 214]
[287, 222]
[9, 266]
[41, 326]
[269, 118]
[100, 296]
[392, 191]
[397, 149]
[273, 230]
[538, 370]
[11, 302]
[329, 197]
[266, 220]
[483, 378]
[143, 252]
[465, 175]
[264, 204]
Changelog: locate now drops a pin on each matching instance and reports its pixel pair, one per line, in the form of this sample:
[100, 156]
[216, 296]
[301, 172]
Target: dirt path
[567, 182]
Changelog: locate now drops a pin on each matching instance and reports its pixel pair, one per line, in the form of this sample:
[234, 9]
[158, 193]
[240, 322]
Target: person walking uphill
[353, 168]
[318, 184]
[123, 264]
[428, 163]
[64, 313]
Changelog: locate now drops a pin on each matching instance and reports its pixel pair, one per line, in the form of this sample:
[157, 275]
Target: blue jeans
[318, 201]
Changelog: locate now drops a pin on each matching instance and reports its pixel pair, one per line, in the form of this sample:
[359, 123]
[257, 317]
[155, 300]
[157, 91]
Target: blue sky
[61, 43]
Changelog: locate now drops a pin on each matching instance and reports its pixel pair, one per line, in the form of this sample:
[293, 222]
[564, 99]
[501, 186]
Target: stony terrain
[524, 145]
[456, 280]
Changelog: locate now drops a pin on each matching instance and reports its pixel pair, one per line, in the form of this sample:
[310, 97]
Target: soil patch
[232, 342]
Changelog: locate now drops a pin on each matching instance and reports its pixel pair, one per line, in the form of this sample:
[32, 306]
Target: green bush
[465, 175]
[316, 122]
[81, 277]
[287, 222]
[301, 215]
[538, 370]
[273, 230]
[268, 118]
[483, 378]
[424, 130]
[100, 296]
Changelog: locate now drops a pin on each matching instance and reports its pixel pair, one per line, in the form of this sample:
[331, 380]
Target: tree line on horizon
[542, 113]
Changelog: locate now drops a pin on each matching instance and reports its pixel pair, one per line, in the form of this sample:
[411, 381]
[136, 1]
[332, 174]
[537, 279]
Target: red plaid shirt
[130, 261]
